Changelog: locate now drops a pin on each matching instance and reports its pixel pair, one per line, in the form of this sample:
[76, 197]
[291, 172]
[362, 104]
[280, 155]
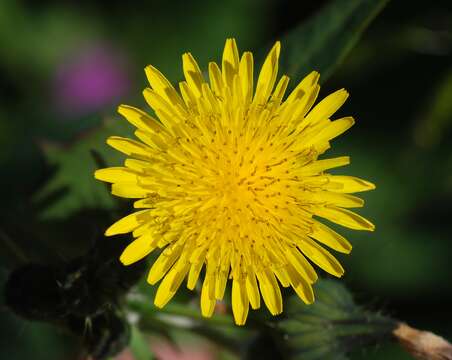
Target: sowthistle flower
[229, 179]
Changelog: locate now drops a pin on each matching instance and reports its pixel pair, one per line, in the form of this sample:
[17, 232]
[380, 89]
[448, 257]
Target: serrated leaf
[322, 42]
[75, 168]
[332, 327]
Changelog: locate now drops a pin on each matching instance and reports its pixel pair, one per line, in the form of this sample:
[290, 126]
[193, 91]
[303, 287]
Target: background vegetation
[66, 65]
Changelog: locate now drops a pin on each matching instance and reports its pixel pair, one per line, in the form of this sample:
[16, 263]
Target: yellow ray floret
[228, 179]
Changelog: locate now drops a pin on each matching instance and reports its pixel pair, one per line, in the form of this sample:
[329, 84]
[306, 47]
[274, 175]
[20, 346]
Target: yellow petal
[161, 107]
[230, 62]
[332, 130]
[161, 85]
[282, 276]
[319, 166]
[300, 285]
[116, 174]
[128, 190]
[303, 106]
[141, 230]
[220, 284]
[136, 165]
[321, 257]
[193, 275]
[303, 88]
[301, 265]
[240, 302]
[253, 291]
[210, 100]
[350, 184]
[216, 81]
[345, 218]
[137, 250]
[140, 119]
[325, 235]
[328, 106]
[270, 291]
[246, 76]
[192, 74]
[267, 75]
[207, 297]
[280, 89]
[128, 146]
[163, 263]
[337, 199]
[128, 223]
[187, 95]
[237, 98]
[151, 139]
[170, 284]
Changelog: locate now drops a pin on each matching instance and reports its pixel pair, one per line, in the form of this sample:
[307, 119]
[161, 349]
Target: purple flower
[90, 78]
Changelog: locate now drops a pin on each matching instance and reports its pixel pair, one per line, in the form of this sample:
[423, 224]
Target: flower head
[228, 179]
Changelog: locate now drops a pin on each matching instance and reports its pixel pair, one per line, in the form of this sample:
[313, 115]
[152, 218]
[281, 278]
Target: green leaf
[322, 42]
[139, 346]
[75, 168]
[332, 327]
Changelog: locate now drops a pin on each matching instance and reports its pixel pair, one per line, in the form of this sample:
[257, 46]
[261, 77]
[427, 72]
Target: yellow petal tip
[110, 140]
[97, 174]
[109, 232]
[276, 47]
[151, 280]
[124, 261]
[121, 259]
[149, 68]
[186, 56]
[121, 108]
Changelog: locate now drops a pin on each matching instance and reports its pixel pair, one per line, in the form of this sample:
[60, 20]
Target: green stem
[178, 310]
[216, 329]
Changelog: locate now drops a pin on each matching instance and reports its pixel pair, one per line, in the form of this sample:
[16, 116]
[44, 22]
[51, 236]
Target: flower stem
[175, 309]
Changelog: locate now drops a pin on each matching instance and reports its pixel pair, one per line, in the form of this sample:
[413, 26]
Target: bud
[423, 345]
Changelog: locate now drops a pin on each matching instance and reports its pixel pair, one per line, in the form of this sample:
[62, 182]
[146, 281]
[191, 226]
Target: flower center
[249, 185]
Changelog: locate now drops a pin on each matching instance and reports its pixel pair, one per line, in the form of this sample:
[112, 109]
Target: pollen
[228, 183]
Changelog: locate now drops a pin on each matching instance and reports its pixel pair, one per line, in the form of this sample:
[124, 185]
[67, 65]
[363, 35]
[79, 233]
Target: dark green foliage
[322, 42]
[83, 296]
[332, 327]
[264, 346]
[104, 335]
[75, 170]
[32, 292]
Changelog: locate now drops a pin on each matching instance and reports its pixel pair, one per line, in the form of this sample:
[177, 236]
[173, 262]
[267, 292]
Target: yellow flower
[229, 180]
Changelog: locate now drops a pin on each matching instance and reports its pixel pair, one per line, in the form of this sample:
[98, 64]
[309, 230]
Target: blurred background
[66, 65]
